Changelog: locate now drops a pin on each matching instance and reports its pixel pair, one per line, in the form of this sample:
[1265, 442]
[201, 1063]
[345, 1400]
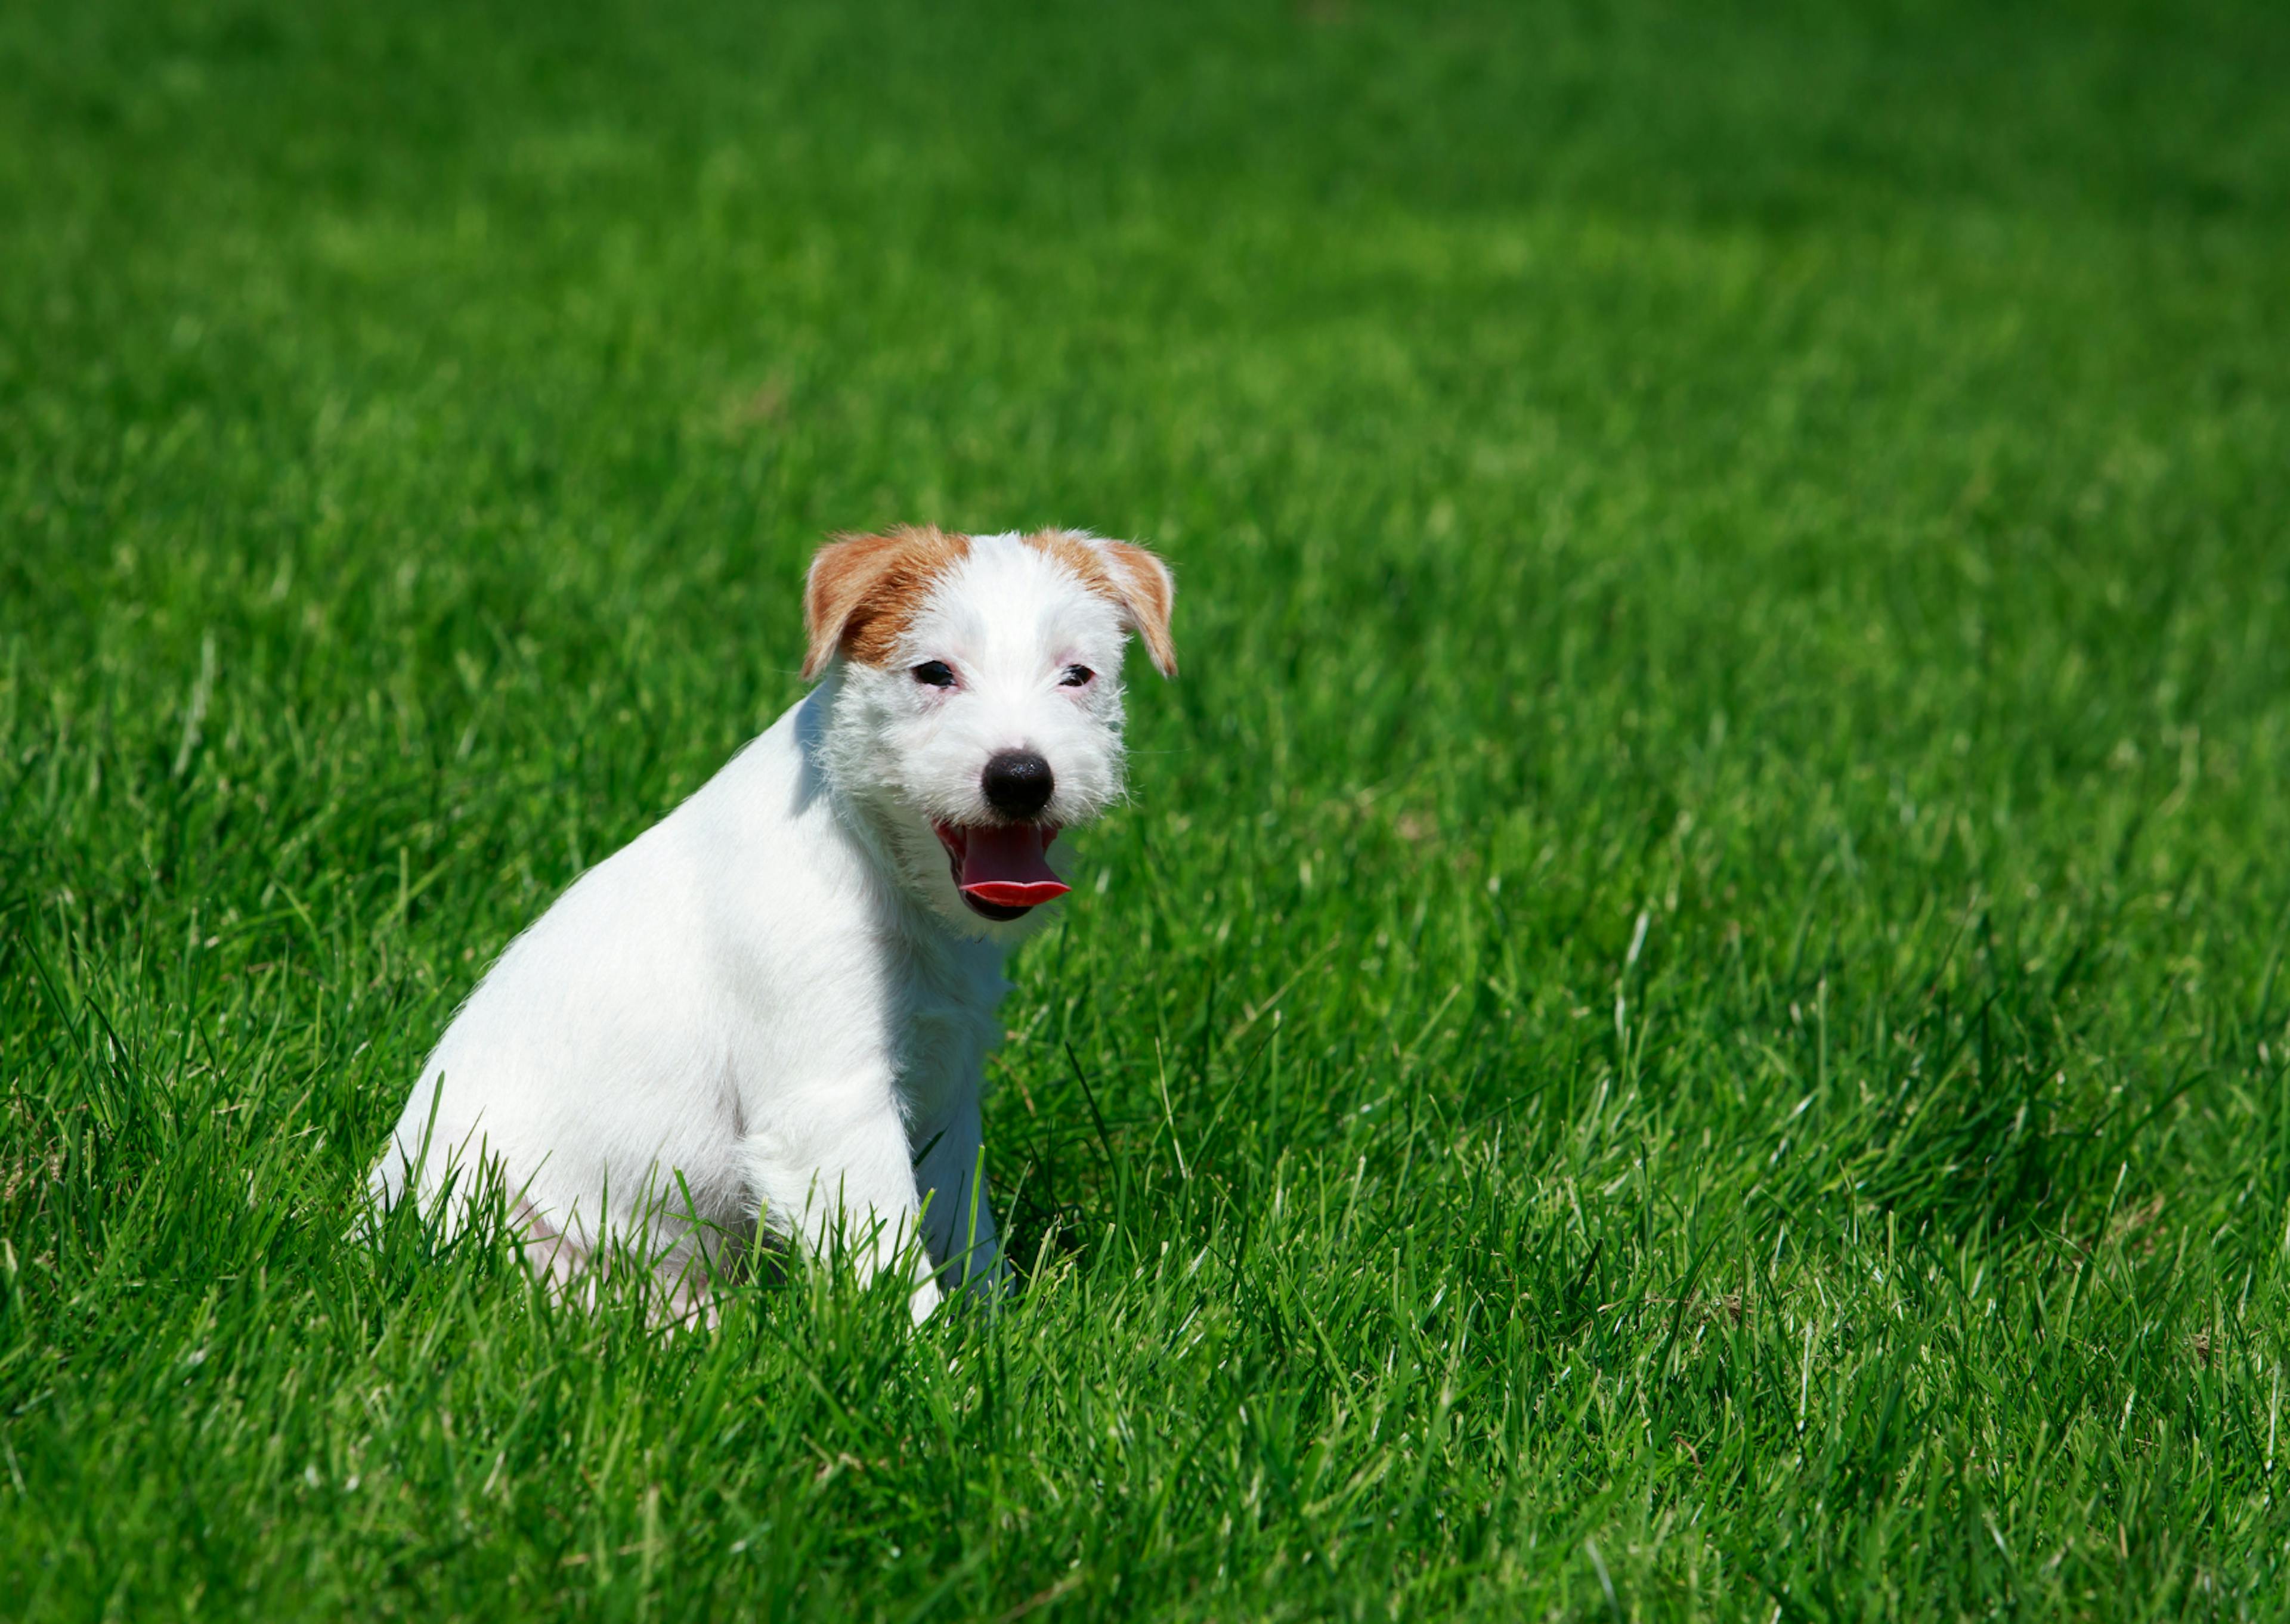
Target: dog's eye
[1077, 676]
[936, 673]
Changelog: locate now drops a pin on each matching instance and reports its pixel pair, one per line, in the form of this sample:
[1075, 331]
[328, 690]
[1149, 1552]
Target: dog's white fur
[772, 1010]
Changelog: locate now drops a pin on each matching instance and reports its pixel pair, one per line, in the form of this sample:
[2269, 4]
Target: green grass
[1688, 1019]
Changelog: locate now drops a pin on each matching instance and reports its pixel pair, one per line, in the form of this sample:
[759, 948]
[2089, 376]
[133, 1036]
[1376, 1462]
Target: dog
[765, 1020]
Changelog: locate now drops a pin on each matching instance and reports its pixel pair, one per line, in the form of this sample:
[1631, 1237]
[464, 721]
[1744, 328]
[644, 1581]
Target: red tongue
[1010, 867]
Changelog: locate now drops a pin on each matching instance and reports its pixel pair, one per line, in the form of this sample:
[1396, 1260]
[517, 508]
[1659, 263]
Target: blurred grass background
[1687, 1021]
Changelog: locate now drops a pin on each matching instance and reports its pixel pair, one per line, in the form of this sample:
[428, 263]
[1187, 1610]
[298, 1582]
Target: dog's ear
[862, 591]
[1146, 593]
[841, 575]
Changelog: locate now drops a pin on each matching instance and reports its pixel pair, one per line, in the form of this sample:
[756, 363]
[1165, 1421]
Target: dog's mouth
[1002, 870]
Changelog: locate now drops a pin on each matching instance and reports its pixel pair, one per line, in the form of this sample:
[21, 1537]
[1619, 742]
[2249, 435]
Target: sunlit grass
[1688, 1019]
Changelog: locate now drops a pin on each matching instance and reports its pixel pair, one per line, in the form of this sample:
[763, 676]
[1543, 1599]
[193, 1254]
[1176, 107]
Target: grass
[1688, 1021]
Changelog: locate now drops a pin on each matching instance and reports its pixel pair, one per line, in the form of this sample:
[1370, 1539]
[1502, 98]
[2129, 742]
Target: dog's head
[977, 701]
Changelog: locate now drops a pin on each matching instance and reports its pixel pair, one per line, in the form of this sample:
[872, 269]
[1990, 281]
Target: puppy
[768, 1015]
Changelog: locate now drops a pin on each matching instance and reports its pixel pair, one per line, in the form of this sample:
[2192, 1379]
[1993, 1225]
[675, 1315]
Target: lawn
[1687, 1018]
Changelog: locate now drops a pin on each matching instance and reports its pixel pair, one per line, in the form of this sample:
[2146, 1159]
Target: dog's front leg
[833, 1176]
[957, 1220]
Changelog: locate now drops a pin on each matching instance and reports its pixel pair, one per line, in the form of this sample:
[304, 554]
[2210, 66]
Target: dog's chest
[946, 1027]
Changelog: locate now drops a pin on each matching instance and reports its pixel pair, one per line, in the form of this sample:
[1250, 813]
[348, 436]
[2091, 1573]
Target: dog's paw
[924, 1301]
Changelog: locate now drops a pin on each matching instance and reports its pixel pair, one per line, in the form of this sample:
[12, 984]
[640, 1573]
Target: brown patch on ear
[864, 591]
[1127, 574]
[1148, 592]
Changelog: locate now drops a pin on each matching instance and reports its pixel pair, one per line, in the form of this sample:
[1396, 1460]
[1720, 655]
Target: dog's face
[977, 709]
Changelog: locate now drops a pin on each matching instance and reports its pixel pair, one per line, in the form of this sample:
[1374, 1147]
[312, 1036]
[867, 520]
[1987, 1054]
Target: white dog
[773, 1008]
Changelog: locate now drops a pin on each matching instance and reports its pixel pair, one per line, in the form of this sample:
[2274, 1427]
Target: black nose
[1017, 783]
